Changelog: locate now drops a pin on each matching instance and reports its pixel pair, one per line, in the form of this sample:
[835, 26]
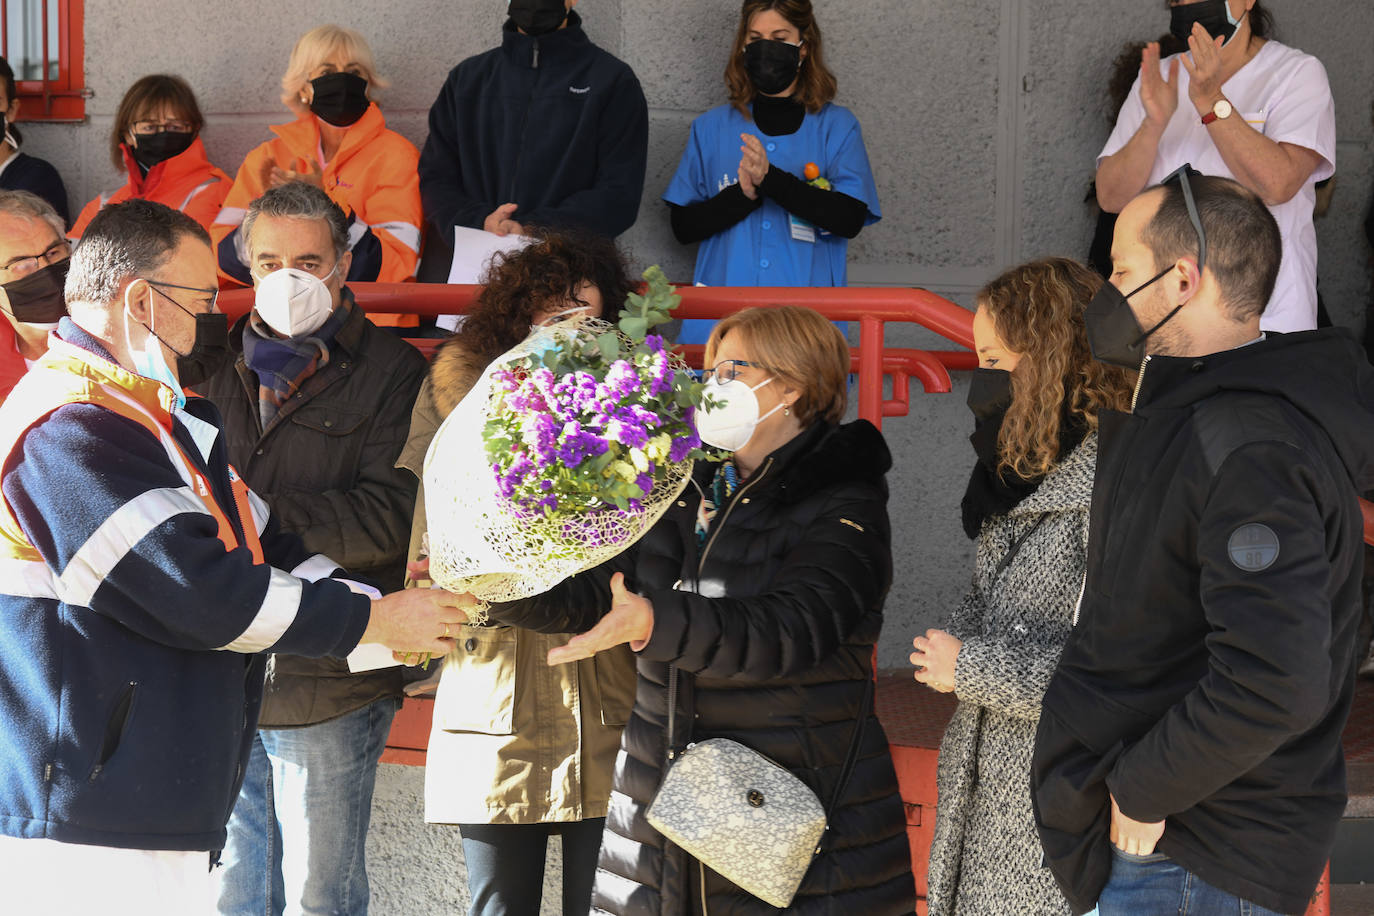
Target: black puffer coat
[774, 623]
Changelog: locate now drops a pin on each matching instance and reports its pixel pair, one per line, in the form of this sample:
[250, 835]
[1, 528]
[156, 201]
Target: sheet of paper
[473, 250]
[370, 656]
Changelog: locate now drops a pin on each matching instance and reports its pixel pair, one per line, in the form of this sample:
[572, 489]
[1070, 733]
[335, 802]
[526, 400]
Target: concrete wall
[982, 119]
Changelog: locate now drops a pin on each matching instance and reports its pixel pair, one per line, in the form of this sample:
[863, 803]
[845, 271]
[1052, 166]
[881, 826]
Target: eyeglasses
[148, 128]
[1181, 175]
[212, 292]
[22, 267]
[728, 370]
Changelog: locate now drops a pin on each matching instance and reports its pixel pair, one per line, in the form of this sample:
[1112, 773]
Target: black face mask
[339, 99]
[37, 298]
[154, 148]
[538, 17]
[1114, 334]
[1214, 15]
[209, 347]
[989, 395]
[771, 65]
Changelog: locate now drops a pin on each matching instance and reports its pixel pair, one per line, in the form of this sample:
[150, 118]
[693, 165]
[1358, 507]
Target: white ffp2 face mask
[293, 302]
[731, 424]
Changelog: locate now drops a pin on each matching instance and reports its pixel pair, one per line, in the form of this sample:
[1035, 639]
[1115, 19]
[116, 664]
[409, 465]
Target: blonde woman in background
[339, 142]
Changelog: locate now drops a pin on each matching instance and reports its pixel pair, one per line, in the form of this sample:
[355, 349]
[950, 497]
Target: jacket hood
[1324, 373]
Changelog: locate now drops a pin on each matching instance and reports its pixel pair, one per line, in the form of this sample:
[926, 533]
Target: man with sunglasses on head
[34, 255]
[1189, 747]
[141, 580]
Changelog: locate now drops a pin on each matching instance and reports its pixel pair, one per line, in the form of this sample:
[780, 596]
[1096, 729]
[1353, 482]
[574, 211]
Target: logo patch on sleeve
[1253, 547]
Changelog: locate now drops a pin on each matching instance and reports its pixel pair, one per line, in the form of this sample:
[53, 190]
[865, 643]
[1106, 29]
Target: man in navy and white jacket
[139, 580]
[547, 130]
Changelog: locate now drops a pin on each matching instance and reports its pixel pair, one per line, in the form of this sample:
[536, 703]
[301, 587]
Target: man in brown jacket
[316, 408]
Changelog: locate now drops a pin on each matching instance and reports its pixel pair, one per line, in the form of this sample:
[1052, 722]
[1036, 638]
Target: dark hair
[125, 241]
[815, 83]
[522, 284]
[1243, 242]
[1261, 20]
[148, 93]
[11, 91]
[299, 200]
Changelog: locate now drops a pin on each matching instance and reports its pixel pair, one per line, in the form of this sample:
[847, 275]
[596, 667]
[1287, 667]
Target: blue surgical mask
[149, 360]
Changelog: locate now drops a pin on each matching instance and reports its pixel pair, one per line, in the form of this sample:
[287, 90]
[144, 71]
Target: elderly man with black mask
[1189, 747]
[316, 409]
[34, 256]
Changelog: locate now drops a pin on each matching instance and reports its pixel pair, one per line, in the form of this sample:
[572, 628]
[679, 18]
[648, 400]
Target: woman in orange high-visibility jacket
[339, 142]
[156, 140]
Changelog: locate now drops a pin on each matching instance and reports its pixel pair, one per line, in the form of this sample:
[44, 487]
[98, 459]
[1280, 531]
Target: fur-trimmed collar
[452, 373]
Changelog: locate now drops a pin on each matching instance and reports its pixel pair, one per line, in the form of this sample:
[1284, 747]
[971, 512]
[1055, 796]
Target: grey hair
[298, 200]
[27, 205]
[124, 242]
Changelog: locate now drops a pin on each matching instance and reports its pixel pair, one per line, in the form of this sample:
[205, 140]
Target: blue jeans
[1154, 885]
[505, 865]
[298, 834]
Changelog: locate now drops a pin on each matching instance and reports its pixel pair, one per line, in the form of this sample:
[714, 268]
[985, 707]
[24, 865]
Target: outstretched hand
[630, 620]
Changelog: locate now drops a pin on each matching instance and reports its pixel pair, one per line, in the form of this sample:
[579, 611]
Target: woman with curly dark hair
[528, 752]
[1036, 399]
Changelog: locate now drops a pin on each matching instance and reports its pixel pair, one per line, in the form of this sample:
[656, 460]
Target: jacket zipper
[114, 728]
[701, 563]
[1139, 380]
[524, 127]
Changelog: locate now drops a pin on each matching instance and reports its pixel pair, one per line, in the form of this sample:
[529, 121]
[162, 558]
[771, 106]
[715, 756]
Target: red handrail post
[871, 370]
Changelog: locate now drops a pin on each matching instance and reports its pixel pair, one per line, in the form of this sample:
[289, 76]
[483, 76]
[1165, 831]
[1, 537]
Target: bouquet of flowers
[567, 450]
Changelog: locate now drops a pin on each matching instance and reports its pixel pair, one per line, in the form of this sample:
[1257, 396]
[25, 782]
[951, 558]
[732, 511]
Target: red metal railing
[871, 309]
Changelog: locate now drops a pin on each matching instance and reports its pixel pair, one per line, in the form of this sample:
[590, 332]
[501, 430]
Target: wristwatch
[1222, 109]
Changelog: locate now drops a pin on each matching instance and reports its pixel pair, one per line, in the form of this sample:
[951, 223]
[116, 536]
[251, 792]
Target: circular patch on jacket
[1253, 547]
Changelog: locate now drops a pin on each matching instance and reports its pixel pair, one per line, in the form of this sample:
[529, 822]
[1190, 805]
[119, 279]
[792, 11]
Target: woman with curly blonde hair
[1036, 398]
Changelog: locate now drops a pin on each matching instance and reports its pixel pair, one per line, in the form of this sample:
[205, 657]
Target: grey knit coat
[985, 859]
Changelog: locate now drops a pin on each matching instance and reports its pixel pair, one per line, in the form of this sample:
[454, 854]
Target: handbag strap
[851, 759]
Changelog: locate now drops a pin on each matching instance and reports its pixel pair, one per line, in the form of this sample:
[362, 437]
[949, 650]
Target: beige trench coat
[514, 741]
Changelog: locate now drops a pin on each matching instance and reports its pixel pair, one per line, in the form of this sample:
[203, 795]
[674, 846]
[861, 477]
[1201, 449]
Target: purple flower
[654, 342]
[683, 445]
[645, 484]
[622, 380]
[627, 433]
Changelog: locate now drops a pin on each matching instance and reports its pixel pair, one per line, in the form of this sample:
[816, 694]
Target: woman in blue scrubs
[774, 183]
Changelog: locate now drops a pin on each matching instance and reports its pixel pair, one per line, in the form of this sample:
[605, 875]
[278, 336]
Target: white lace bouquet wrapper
[567, 450]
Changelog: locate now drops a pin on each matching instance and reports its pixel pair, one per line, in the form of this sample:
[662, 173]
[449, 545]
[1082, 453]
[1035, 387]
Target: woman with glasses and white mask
[775, 182]
[754, 603]
[339, 143]
[156, 142]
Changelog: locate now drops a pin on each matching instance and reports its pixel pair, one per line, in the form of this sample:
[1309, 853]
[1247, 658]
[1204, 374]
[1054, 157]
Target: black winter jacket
[326, 466]
[552, 123]
[773, 623]
[1211, 670]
